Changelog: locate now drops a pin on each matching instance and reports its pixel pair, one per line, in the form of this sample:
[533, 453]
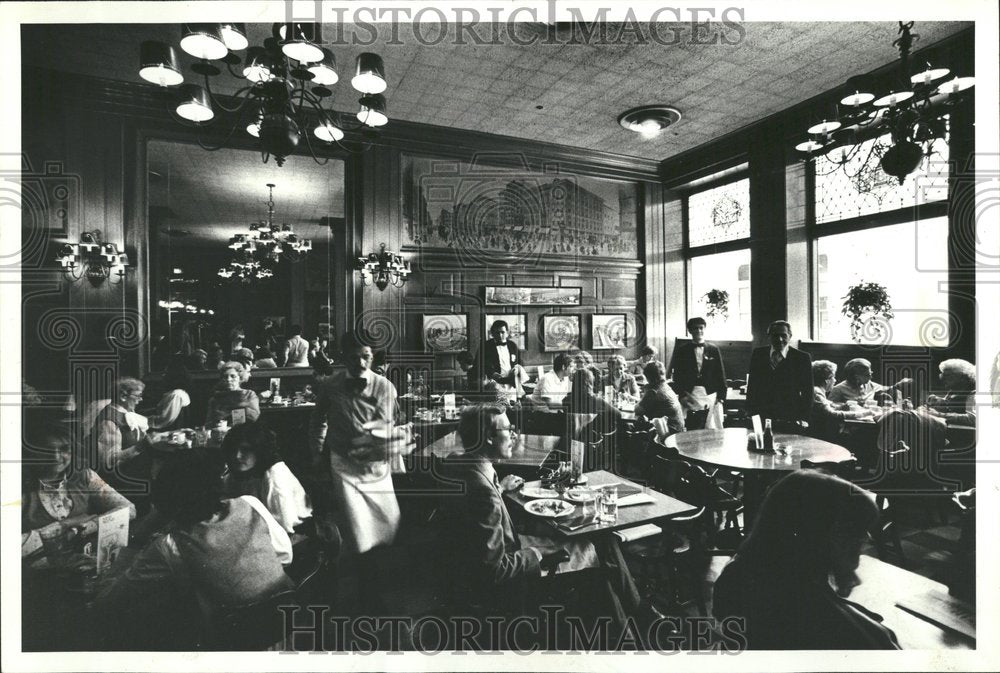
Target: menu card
[239, 416]
[449, 401]
[112, 537]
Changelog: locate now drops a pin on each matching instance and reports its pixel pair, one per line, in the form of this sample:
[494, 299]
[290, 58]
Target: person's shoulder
[280, 472]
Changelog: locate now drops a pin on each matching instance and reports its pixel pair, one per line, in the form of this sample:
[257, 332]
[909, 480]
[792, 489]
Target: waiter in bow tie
[501, 357]
[700, 378]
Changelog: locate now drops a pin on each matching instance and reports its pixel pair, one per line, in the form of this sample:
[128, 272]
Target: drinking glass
[607, 508]
[55, 544]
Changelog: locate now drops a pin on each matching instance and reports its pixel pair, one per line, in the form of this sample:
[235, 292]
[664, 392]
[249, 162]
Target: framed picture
[517, 322]
[560, 332]
[533, 296]
[608, 331]
[446, 332]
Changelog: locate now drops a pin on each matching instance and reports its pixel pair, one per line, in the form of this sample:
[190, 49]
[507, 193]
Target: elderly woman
[117, 428]
[858, 386]
[826, 419]
[230, 397]
[810, 530]
[619, 379]
[58, 495]
[659, 400]
[958, 405]
[254, 468]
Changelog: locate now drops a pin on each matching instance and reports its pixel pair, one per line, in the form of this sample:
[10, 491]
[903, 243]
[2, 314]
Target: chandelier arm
[238, 94]
[324, 114]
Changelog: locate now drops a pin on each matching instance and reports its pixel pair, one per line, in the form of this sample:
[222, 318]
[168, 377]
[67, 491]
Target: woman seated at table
[254, 468]
[858, 386]
[619, 379]
[55, 493]
[216, 554]
[958, 405]
[647, 354]
[659, 400]
[229, 396]
[826, 421]
[169, 411]
[587, 411]
[809, 532]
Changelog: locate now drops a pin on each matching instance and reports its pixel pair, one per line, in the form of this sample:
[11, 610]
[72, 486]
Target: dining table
[727, 449]
[582, 522]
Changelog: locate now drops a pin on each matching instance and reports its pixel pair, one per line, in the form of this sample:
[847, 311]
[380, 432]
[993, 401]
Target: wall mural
[478, 208]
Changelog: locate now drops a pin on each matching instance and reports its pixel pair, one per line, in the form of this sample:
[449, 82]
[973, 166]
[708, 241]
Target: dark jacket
[713, 371]
[784, 393]
[491, 362]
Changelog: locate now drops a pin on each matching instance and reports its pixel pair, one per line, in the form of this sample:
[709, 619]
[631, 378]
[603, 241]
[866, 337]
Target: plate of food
[537, 492]
[549, 508]
[580, 494]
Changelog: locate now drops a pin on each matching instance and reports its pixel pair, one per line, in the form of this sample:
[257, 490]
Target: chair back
[680, 479]
[255, 626]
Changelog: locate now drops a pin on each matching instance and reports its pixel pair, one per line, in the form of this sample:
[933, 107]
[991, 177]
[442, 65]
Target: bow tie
[699, 345]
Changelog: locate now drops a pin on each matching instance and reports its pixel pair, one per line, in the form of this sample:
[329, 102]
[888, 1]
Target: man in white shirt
[553, 387]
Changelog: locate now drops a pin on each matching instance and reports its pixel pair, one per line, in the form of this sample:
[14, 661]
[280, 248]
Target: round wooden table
[728, 448]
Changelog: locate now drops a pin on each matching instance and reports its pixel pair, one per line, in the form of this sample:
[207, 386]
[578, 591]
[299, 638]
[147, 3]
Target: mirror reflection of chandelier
[913, 114]
[266, 244]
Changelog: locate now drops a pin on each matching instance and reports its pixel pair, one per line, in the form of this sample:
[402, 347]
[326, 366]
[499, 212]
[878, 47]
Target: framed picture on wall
[533, 296]
[446, 332]
[516, 322]
[608, 331]
[560, 332]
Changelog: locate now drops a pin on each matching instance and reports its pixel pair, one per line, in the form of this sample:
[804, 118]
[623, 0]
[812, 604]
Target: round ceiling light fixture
[649, 120]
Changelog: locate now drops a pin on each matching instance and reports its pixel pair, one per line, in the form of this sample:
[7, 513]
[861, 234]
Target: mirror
[199, 203]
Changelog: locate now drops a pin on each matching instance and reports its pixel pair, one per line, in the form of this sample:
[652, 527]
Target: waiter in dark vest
[699, 376]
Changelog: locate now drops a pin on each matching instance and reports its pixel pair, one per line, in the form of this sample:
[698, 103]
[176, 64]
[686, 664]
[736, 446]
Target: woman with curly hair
[230, 396]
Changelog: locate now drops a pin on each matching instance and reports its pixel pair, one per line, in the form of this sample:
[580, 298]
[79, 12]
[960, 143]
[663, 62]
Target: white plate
[580, 495]
[536, 492]
[549, 508]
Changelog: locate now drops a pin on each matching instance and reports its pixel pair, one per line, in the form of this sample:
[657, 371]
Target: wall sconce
[93, 259]
[383, 268]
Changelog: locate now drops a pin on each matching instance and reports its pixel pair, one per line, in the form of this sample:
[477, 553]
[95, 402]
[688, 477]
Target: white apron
[365, 503]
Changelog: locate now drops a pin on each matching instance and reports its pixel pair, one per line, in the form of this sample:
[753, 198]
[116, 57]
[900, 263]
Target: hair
[822, 370]
[617, 357]
[295, 330]
[237, 367]
[497, 325]
[188, 488]
[647, 351]
[655, 373]
[352, 341]
[854, 366]
[475, 424]
[583, 382]
[795, 525]
[258, 438]
[126, 385]
[584, 357]
[380, 358]
[694, 322]
[780, 323]
[244, 355]
[42, 431]
[465, 358]
[962, 368]
[263, 353]
[561, 360]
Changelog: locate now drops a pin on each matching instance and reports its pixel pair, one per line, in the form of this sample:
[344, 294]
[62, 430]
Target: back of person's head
[188, 488]
[648, 351]
[822, 370]
[561, 361]
[244, 355]
[465, 359]
[803, 522]
[583, 382]
[255, 437]
[263, 353]
[655, 373]
[476, 423]
[962, 372]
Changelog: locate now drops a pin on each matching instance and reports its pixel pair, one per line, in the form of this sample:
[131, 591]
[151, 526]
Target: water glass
[607, 504]
[55, 544]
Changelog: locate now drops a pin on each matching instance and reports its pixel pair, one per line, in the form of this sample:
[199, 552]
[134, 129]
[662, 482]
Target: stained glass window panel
[860, 187]
[719, 214]
[909, 259]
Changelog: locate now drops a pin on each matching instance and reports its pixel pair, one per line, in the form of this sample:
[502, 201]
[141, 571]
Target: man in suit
[699, 375]
[780, 380]
[501, 357]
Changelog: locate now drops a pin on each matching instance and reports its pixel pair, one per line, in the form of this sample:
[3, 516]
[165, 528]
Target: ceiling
[567, 93]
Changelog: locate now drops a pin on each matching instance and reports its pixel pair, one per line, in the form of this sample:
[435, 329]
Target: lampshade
[234, 36]
[824, 128]
[372, 112]
[369, 75]
[893, 98]
[328, 132]
[929, 75]
[325, 70]
[194, 104]
[158, 64]
[299, 42]
[203, 40]
[258, 66]
[957, 85]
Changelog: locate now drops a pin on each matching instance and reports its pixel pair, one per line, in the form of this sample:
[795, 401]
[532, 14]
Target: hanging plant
[867, 304]
[717, 302]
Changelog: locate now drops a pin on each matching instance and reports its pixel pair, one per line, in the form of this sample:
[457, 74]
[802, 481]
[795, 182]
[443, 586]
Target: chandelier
[383, 268]
[265, 245]
[287, 79]
[913, 114]
[93, 259]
